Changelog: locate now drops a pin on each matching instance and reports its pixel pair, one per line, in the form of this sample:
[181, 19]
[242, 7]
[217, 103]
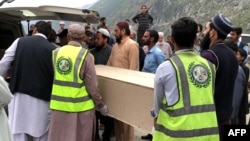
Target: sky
[67, 3]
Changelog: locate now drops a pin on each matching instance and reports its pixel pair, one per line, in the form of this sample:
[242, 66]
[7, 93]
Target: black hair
[154, 34]
[89, 33]
[231, 45]
[184, 32]
[237, 30]
[87, 27]
[52, 36]
[103, 18]
[104, 36]
[43, 27]
[201, 27]
[243, 53]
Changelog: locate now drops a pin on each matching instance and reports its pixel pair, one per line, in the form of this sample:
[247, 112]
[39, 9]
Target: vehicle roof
[46, 12]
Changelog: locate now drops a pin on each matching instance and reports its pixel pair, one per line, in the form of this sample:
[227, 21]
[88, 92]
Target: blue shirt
[153, 59]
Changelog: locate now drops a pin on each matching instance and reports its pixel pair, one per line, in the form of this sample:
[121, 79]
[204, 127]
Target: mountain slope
[165, 12]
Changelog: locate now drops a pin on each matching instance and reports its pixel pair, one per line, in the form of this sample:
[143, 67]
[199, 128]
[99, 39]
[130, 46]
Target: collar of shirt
[182, 50]
[40, 34]
[238, 43]
[196, 48]
[74, 43]
[152, 49]
[159, 43]
[124, 39]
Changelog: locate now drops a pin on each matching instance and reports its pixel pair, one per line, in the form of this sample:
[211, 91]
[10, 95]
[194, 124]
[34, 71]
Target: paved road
[138, 135]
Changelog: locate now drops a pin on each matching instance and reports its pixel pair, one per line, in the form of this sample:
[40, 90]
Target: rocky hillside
[165, 12]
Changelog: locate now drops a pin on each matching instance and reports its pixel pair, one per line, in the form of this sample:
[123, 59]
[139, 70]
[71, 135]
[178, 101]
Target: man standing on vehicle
[102, 23]
[144, 20]
[31, 84]
[235, 35]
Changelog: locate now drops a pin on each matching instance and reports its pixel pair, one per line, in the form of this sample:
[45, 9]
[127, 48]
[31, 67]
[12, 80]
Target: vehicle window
[55, 24]
[245, 39]
[15, 21]
[6, 38]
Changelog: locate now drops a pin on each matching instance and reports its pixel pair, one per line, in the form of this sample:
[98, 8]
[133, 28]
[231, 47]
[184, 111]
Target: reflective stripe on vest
[69, 99]
[187, 109]
[69, 93]
[188, 133]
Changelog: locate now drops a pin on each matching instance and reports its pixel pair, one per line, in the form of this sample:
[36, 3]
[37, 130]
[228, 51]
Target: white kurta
[4, 126]
[26, 114]
[5, 97]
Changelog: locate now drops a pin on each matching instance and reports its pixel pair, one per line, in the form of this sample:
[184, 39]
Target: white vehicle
[245, 38]
[12, 17]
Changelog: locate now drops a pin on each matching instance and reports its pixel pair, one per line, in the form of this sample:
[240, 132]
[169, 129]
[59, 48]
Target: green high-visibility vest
[193, 116]
[69, 93]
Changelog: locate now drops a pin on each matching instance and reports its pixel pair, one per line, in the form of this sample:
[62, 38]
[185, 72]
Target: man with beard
[164, 46]
[31, 84]
[89, 39]
[102, 23]
[153, 59]
[101, 54]
[102, 50]
[154, 56]
[218, 53]
[124, 54]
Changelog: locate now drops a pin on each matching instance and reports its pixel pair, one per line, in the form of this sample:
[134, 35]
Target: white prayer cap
[61, 22]
[161, 33]
[104, 31]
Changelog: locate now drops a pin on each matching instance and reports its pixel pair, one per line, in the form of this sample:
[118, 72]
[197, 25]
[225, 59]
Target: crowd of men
[200, 80]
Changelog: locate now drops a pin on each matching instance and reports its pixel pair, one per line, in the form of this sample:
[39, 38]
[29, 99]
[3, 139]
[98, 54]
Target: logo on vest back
[199, 75]
[64, 65]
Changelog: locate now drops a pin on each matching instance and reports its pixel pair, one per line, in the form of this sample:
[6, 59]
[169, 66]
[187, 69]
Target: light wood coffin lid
[128, 95]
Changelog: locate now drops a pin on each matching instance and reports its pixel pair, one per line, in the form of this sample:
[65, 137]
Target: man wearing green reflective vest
[184, 108]
[75, 94]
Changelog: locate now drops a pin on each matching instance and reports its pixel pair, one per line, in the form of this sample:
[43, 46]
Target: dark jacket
[32, 67]
[244, 108]
[227, 69]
